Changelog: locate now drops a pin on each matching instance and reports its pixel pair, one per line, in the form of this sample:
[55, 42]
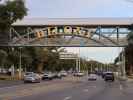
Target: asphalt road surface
[69, 89]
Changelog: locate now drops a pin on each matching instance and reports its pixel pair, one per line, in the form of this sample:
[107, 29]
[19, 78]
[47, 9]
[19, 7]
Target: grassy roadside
[131, 77]
[8, 77]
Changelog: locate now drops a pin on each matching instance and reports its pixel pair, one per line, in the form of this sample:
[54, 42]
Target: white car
[48, 76]
[92, 77]
[63, 73]
[79, 74]
[28, 73]
[32, 78]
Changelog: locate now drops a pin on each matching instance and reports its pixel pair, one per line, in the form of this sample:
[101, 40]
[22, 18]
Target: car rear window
[109, 73]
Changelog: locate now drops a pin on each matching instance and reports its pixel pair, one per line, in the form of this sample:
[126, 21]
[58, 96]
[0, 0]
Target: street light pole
[12, 67]
[77, 63]
[20, 64]
[79, 59]
[123, 65]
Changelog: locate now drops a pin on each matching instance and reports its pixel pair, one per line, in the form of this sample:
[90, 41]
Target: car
[99, 73]
[28, 73]
[103, 74]
[33, 78]
[48, 76]
[41, 75]
[109, 76]
[63, 73]
[79, 74]
[92, 77]
[57, 75]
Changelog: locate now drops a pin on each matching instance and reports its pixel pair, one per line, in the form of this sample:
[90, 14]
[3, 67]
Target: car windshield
[109, 73]
[28, 73]
[31, 75]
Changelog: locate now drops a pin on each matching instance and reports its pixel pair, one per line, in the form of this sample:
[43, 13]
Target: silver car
[92, 77]
[28, 73]
[33, 78]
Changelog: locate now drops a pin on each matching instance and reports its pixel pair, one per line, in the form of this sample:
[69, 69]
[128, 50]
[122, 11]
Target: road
[69, 89]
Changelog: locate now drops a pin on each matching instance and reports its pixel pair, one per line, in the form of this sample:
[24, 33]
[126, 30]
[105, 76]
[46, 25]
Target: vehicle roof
[108, 72]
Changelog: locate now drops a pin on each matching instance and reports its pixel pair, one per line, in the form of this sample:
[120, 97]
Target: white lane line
[92, 86]
[8, 87]
[85, 90]
[121, 87]
[67, 98]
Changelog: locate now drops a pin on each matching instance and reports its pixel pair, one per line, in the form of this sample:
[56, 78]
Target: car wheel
[113, 80]
[50, 78]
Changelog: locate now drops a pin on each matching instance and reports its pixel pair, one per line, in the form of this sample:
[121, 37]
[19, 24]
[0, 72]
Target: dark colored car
[109, 76]
[103, 74]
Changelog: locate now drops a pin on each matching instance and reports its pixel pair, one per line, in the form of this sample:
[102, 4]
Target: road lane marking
[94, 86]
[67, 98]
[85, 90]
[121, 87]
[91, 86]
[8, 87]
[35, 90]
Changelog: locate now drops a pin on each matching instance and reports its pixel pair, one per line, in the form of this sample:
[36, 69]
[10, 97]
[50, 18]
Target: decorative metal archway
[69, 36]
[74, 33]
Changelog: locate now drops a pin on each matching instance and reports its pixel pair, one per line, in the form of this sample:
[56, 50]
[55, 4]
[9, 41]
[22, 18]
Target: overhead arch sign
[70, 32]
[63, 30]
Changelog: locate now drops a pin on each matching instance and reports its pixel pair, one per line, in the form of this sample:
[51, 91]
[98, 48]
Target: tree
[3, 55]
[35, 59]
[10, 12]
[129, 59]
[129, 52]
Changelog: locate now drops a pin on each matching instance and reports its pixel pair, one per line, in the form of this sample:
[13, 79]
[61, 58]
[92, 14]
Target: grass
[130, 77]
[8, 77]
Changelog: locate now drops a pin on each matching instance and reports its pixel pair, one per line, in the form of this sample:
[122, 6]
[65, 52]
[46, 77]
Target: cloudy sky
[83, 9]
[80, 8]
[102, 54]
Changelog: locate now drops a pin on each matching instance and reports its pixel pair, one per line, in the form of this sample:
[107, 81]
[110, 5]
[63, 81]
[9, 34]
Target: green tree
[3, 55]
[129, 52]
[10, 12]
[33, 58]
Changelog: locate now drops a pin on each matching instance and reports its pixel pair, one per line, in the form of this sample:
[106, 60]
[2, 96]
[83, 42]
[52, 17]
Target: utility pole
[123, 63]
[20, 63]
[77, 63]
[79, 59]
[91, 68]
[12, 67]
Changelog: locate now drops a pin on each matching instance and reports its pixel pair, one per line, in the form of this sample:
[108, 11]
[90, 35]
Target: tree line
[34, 58]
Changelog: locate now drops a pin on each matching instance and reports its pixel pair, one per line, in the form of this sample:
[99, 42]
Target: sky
[80, 8]
[101, 54]
[83, 9]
